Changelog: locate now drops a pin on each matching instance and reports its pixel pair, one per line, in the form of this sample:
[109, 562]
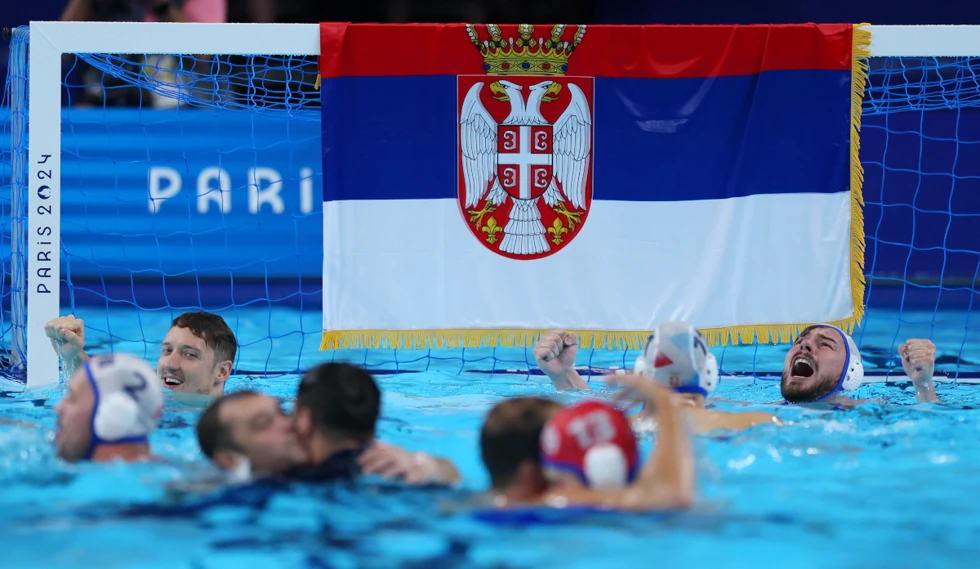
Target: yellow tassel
[456, 339]
[512, 338]
[317, 84]
[860, 54]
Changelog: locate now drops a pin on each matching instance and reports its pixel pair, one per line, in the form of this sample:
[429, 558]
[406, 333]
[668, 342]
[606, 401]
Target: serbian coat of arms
[525, 142]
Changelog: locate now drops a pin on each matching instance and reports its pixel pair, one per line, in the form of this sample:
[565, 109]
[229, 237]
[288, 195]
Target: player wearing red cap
[590, 444]
[528, 465]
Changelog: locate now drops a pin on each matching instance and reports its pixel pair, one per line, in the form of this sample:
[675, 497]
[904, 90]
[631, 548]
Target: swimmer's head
[510, 444]
[248, 431]
[589, 444]
[197, 354]
[677, 356]
[824, 360]
[113, 399]
[337, 406]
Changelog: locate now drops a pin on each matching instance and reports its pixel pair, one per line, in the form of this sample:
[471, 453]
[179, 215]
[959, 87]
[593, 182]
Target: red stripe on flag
[643, 52]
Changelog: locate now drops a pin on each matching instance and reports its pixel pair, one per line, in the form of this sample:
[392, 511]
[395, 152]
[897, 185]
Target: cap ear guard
[641, 367]
[852, 376]
[854, 367]
[117, 417]
[709, 377]
[605, 467]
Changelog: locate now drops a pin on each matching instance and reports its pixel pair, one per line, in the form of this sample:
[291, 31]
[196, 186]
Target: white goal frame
[50, 40]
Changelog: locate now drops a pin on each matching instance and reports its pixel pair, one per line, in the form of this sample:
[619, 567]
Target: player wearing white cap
[675, 356]
[823, 363]
[113, 403]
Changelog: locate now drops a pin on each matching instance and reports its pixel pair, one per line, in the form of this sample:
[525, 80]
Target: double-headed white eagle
[524, 233]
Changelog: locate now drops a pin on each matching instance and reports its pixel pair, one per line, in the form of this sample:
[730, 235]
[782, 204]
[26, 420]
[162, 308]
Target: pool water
[876, 486]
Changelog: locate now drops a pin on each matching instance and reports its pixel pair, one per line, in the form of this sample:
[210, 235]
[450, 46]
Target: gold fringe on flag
[619, 340]
[487, 338]
[860, 54]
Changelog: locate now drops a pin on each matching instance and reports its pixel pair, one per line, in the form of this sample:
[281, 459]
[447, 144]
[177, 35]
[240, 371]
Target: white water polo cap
[677, 356]
[852, 376]
[128, 399]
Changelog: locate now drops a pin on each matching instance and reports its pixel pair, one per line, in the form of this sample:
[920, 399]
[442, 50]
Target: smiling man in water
[196, 355]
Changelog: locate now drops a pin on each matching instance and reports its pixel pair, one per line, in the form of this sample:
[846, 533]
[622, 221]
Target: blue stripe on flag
[655, 140]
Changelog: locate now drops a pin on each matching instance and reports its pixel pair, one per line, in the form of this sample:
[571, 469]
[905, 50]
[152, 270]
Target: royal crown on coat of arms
[525, 141]
[526, 54]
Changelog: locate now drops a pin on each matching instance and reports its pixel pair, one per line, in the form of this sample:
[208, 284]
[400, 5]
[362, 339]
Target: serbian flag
[485, 183]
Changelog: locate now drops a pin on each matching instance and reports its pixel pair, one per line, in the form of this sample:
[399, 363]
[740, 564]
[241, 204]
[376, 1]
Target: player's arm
[395, 462]
[67, 335]
[919, 362]
[666, 481]
[706, 420]
[555, 354]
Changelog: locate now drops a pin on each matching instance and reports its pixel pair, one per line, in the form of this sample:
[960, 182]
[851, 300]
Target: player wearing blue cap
[113, 403]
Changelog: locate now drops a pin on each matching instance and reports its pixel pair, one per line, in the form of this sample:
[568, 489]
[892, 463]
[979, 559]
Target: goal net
[151, 169]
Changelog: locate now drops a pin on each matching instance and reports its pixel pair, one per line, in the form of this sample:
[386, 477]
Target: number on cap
[133, 390]
[591, 429]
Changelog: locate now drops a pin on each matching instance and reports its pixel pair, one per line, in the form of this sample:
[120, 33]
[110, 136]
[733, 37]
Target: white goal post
[50, 40]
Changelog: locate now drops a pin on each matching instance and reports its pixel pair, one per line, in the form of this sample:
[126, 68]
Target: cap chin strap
[692, 389]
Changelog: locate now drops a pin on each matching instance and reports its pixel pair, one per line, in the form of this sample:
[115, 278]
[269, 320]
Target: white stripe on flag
[768, 259]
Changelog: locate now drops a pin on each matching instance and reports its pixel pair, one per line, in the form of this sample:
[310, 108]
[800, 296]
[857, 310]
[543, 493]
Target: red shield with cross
[525, 160]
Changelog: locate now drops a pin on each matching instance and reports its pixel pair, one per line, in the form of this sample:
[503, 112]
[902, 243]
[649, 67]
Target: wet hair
[344, 401]
[511, 435]
[212, 434]
[213, 330]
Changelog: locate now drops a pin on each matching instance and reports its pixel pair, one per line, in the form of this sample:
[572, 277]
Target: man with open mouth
[824, 362]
